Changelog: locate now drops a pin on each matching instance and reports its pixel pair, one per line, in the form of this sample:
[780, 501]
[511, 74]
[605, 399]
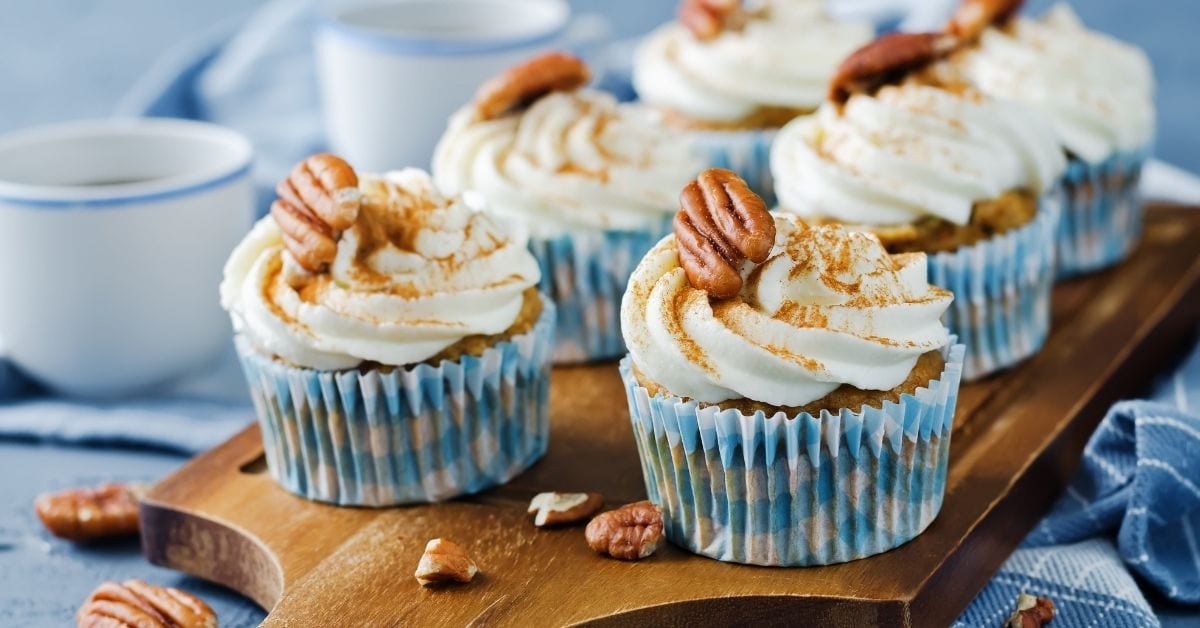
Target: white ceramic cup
[113, 235]
[392, 73]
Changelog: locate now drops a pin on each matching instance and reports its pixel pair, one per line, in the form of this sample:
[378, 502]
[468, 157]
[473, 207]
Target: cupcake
[1098, 93]
[728, 74]
[394, 341]
[584, 175]
[791, 386]
[908, 150]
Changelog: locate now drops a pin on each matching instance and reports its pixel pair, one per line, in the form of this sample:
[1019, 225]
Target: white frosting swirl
[829, 307]
[912, 150]
[784, 59]
[1098, 91]
[417, 273]
[571, 161]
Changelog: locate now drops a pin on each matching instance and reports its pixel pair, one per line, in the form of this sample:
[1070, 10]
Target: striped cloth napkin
[1127, 526]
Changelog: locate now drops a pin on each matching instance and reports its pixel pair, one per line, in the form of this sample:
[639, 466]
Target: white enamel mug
[392, 73]
[113, 236]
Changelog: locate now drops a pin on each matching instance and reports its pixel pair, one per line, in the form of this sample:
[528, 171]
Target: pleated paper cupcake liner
[1102, 214]
[586, 274]
[748, 153]
[405, 435]
[1001, 286]
[796, 491]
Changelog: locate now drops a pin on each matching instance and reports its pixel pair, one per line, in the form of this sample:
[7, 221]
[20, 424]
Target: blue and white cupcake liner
[748, 153]
[1102, 214]
[405, 435]
[586, 274]
[796, 491]
[1002, 286]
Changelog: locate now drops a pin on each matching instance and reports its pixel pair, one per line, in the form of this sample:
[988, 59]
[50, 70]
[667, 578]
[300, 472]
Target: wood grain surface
[1017, 439]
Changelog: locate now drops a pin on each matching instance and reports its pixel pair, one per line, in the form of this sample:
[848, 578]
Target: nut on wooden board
[444, 561]
[558, 509]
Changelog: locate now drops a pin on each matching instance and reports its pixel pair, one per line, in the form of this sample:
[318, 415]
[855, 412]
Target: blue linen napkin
[1138, 480]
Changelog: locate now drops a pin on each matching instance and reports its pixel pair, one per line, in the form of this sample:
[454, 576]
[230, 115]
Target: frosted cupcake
[729, 74]
[904, 148]
[791, 386]
[395, 344]
[1099, 94]
[586, 176]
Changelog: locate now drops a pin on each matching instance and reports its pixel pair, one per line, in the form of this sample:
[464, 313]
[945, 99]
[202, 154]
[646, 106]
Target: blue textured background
[66, 59]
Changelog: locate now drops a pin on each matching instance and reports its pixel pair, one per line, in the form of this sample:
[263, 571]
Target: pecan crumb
[1031, 612]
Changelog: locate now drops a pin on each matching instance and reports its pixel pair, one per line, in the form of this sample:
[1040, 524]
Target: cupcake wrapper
[1102, 213]
[586, 274]
[747, 153]
[796, 491]
[1001, 308]
[410, 435]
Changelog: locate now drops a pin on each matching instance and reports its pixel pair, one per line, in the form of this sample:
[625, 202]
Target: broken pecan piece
[707, 18]
[974, 16]
[631, 532]
[556, 509]
[84, 514]
[317, 201]
[721, 223]
[1032, 612]
[444, 561]
[136, 604]
[523, 84]
[888, 59]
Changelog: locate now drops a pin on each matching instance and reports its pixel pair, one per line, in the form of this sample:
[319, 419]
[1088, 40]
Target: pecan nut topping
[523, 84]
[974, 16]
[888, 59]
[631, 532]
[1032, 612]
[84, 514]
[317, 201]
[444, 561]
[708, 18]
[721, 223]
[136, 604]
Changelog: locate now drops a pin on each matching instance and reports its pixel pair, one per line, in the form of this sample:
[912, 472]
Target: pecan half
[317, 200]
[556, 509]
[631, 532]
[888, 59]
[444, 561]
[1032, 612]
[974, 16]
[523, 84]
[721, 223]
[708, 18]
[84, 514]
[136, 604]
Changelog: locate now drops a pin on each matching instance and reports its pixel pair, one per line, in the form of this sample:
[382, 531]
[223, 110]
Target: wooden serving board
[1017, 440]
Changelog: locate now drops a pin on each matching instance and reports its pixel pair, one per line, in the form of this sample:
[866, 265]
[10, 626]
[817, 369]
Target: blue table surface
[68, 59]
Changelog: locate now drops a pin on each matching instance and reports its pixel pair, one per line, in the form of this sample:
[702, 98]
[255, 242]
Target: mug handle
[12, 382]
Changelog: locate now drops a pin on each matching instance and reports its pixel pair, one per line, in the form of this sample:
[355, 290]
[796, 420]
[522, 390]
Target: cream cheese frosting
[1098, 91]
[828, 307]
[783, 59]
[415, 274]
[912, 150]
[571, 161]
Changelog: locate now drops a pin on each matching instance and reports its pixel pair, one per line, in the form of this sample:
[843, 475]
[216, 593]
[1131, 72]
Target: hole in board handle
[256, 466]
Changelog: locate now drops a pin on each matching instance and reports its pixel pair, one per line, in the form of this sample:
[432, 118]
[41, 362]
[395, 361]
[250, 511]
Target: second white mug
[392, 73]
